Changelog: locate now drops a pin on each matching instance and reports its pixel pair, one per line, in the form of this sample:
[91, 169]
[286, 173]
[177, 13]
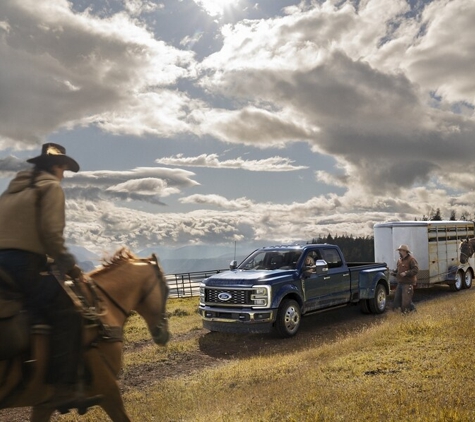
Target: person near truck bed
[32, 221]
[406, 274]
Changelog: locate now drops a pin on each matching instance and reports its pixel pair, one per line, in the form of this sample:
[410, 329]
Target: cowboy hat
[404, 248]
[54, 154]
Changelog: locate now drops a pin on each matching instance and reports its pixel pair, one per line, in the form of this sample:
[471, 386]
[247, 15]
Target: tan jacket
[33, 218]
[409, 266]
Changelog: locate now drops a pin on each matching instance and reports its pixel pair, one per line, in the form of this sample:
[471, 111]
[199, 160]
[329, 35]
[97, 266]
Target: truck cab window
[332, 257]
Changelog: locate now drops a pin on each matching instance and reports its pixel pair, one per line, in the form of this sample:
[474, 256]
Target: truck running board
[319, 311]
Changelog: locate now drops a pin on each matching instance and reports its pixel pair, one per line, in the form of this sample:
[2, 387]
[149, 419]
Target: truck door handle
[346, 275]
[326, 278]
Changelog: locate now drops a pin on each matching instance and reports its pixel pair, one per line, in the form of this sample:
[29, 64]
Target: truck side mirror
[233, 265]
[321, 266]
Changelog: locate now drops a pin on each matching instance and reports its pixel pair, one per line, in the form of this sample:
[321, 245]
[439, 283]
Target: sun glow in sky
[218, 7]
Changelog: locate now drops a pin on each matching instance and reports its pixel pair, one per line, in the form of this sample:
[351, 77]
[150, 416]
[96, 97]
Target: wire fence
[188, 284]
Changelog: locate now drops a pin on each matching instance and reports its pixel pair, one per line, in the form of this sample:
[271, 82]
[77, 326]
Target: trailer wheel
[467, 280]
[364, 306]
[288, 318]
[457, 284]
[377, 305]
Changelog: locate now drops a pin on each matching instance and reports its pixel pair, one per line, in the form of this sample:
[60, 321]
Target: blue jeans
[39, 292]
[47, 302]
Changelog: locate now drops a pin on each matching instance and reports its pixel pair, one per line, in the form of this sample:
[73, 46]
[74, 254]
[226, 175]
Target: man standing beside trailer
[406, 274]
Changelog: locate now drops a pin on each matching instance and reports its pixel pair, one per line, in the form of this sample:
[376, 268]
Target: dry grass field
[341, 366]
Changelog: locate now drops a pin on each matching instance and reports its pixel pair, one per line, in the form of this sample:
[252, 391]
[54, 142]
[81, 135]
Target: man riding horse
[32, 221]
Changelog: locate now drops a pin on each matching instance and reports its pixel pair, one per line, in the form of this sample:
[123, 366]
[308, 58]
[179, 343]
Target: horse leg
[113, 405]
[104, 363]
[41, 414]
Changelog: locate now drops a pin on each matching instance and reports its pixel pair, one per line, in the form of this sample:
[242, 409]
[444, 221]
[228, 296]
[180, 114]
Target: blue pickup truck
[275, 286]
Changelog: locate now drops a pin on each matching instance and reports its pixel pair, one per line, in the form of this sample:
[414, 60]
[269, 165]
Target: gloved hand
[76, 273]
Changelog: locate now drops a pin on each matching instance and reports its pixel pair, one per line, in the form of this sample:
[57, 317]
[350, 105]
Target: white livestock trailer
[434, 244]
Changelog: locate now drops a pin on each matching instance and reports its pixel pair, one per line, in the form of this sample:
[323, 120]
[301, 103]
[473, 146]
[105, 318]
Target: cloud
[138, 7]
[12, 164]
[212, 161]
[253, 126]
[330, 67]
[218, 201]
[148, 184]
[446, 47]
[222, 220]
[62, 68]
[216, 8]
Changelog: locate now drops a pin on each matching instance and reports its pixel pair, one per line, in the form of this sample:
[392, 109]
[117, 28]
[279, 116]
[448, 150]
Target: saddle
[14, 320]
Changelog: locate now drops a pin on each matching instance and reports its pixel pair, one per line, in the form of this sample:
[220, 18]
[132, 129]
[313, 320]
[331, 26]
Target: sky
[216, 122]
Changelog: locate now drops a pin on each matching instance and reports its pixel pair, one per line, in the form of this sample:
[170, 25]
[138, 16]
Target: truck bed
[364, 264]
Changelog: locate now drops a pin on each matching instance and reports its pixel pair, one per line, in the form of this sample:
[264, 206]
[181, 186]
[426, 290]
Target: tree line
[355, 249]
[436, 215]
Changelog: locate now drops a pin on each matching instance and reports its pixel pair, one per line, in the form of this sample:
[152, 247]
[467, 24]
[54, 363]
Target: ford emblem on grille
[224, 296]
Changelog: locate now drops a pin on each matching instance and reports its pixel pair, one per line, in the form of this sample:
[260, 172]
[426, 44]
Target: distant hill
[193, 258]
[83, 254]
[185, 259]
[178, 266]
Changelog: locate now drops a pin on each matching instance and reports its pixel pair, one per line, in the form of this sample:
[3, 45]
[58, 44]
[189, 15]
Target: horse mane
[120, 256]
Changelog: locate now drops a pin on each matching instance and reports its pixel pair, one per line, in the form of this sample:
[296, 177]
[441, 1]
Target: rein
[114, 302]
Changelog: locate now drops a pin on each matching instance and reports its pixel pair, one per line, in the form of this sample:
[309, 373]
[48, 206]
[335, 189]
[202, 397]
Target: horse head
[158, 294]
[139, 284]
[467, 248]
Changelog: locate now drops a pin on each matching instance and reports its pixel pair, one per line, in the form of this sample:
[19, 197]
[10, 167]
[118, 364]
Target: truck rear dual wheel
[377, 305]
[288, 318]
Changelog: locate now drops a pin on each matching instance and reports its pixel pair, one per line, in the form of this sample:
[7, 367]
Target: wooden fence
[188, 284]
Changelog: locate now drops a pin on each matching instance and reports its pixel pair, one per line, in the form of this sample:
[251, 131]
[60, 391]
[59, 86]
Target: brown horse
[124, 283]
[467, 248]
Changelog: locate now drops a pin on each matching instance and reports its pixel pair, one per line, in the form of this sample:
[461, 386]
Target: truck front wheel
[288, 318]
[377, 304]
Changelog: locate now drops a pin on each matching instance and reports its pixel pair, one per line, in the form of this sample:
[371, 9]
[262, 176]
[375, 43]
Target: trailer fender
[452, 272]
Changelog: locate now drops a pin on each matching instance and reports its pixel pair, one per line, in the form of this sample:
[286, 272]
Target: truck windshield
[271, 260]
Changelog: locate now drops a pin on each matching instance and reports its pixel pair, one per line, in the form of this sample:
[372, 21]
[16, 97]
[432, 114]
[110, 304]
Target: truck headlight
[202, 294]
[260, 296]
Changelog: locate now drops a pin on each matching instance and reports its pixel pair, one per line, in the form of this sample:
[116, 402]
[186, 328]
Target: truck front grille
[228, 296]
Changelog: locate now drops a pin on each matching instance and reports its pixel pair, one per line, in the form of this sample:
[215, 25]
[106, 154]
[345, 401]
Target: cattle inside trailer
[436, 245]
